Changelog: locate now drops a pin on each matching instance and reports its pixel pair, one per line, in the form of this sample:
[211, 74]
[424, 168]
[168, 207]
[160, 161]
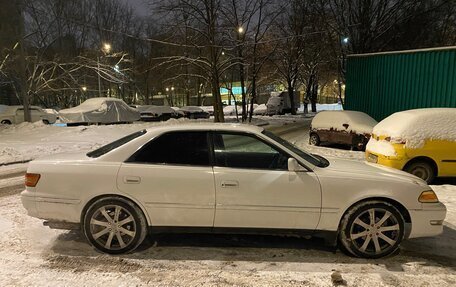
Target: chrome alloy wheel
[113, 227]
[375, 231]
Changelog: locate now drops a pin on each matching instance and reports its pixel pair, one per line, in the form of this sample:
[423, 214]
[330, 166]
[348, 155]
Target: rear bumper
[51, 208]
[29, 203]
[428, 221]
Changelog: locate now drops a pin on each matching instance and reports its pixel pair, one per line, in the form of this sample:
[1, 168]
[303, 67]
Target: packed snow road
[31, 254]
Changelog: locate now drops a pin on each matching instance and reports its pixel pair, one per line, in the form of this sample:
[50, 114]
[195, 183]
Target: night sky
[139, 6]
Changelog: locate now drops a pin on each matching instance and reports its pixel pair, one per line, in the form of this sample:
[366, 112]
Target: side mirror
[346, 126]
[293, 165]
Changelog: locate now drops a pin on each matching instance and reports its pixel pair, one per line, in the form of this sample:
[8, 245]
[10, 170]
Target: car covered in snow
[100, 111]
[260, 110]
[227, 178]
[157, 113]
[194, 112]
[232, 110]
[341, 127]
[208, 109]
[421, 142]
[15, 115]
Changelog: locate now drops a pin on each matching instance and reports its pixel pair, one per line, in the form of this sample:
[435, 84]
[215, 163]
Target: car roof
[206, 126]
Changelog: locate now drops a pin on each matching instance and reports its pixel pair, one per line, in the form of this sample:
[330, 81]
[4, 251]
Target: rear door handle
[131, 179]
[230, 184]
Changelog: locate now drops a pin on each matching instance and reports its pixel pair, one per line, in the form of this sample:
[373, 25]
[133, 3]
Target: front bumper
[394, 162]
[427, 221]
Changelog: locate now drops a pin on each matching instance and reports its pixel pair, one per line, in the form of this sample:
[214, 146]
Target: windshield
[313, 159]
[115, 144]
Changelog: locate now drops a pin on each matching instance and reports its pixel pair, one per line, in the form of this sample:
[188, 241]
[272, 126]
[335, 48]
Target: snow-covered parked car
[231, 110]
[15, 115]
[227, 178]
[52, 111]
[421, 142]
[208, 109]
[194, 112]
[260, 110]
[100, 111]
[157, 113]
[341, 127]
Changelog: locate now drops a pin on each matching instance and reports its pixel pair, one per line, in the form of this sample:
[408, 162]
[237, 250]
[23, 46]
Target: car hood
[370, 170]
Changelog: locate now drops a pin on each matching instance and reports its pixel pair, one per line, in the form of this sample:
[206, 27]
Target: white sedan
[227, 178]
[15, 115]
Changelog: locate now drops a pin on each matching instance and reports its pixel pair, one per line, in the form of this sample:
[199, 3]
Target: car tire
[314, 139]
[114, 225]
[6, 122]
[46, 122]
[421, 169]
[371, 229]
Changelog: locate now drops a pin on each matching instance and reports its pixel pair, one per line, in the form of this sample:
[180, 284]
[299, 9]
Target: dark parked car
[342, 127]
[157, 113]
[194, 112]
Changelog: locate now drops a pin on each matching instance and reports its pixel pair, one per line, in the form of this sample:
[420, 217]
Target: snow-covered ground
[31, 254]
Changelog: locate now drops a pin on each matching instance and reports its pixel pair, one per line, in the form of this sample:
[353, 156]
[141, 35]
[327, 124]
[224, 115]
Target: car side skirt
[330, 237]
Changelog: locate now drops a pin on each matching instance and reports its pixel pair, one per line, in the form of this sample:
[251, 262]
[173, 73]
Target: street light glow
[240, 30]
[172, 88]
[345, 40]
[84, 88]
[107, 47]
[167, 89]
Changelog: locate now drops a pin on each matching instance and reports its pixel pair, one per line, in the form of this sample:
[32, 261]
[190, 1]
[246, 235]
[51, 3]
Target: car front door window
[247, 151]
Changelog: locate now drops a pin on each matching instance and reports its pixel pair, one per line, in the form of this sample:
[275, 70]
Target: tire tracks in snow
[12, 182]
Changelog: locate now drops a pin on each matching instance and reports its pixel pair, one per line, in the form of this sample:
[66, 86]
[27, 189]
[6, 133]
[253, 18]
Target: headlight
[428, 196]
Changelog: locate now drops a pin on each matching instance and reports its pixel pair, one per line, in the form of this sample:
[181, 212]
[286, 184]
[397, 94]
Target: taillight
[31, 179]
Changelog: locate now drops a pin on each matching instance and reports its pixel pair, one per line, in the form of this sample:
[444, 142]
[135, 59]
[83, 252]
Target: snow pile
[357, 122]
[417, 126]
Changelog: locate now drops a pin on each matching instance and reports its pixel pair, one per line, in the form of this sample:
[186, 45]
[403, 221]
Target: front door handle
[230, 183]
[131, 179]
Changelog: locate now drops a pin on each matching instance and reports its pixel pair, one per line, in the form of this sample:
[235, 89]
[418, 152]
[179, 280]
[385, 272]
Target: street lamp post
[106, 48]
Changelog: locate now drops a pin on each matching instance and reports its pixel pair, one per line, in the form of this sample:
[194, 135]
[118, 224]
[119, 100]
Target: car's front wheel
[114, 225]
[371, 229]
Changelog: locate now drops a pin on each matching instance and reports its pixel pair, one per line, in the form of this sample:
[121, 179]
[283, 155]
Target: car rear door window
[175, 148]
[247, 151]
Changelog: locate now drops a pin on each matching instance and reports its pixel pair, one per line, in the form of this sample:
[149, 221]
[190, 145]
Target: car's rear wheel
[46, 122]
[6, 122]
[114, 225]
[421, 169]
[314, 139]
[371, 229]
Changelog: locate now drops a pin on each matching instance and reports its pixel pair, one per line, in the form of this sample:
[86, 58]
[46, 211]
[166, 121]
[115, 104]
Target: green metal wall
[384, 83]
